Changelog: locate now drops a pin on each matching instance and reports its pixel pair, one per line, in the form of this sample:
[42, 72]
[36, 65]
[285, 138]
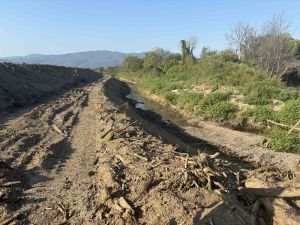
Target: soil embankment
[22, 85]
[88, 157]
[251, 147]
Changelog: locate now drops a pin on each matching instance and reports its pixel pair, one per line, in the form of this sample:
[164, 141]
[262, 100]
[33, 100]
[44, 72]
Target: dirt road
[88, 158]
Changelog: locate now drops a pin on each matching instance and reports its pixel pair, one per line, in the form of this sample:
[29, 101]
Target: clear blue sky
[64, 26]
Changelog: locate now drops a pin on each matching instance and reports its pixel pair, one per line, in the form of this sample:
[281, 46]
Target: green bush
[214, 98]
[290, 113]
[189, 100]
[253, 99]
[260, 114]
[170, 97]
[288, 94]
[223, 110]
[261, 93]
[281, 140]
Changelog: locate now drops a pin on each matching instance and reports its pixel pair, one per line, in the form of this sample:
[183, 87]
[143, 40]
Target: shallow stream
[167, 116]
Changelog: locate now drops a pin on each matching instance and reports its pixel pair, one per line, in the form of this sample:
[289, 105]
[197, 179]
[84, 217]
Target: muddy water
[167, 116]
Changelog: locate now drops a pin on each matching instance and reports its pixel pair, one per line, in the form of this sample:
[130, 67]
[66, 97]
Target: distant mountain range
[90, 59]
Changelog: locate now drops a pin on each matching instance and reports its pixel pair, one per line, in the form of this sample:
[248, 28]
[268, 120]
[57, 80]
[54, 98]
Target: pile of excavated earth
[87, 157]
[22, 85]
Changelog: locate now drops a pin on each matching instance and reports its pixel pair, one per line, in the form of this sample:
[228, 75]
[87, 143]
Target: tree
[159, 60]
[240, 38]
[184, 50]
[206, 51]
[277, 43]
[295, 51]
[112, 70]
[269, 49]
[187, 48]
[191, 46]
[132, 63]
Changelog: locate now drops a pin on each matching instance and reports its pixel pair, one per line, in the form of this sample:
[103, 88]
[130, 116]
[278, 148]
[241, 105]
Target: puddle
[167, 116]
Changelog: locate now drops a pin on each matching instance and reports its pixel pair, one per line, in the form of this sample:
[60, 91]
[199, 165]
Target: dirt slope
[85, 158]
[24, 84]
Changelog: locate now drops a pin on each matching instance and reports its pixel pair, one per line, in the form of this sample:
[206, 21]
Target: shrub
[261, 93]
[290, 113]
[260, 114]
[281, 140]
[214, 98]
[253, 99]
[288, 95]
[170, 97]
[189, 100]
[223, 110]
[132, 64]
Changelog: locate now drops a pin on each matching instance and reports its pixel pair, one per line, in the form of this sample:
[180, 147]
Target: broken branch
[9, 184]
[283, 125]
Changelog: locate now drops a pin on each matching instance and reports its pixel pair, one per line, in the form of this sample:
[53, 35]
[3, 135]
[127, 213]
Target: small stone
[92, 173]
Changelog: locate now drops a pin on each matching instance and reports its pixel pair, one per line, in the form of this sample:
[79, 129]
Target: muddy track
[88, 157]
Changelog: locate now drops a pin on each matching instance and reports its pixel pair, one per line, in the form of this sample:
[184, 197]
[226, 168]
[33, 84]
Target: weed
[281, 140]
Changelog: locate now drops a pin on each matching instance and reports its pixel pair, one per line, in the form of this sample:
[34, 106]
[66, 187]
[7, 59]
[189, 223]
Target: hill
[89, 59]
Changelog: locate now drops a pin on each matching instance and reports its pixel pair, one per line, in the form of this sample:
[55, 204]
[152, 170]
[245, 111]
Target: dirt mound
[24, 84]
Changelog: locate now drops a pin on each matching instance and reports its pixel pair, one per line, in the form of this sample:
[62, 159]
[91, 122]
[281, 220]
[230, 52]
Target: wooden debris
[208, 170]
[124, 204]
[276, 192]
[278, 210]
[186, 161]
[96, 160]
[11, 219]
[9, 184]
[2, 194]
[209, 183]
[106, 132]
[195, 183]
[294, 127]
[124, 128]
[58, 130]
[238, 178]
[284, 126]
[156, 165]
[117, 206]
[141, 157]
[124, 162]
[65, 212]
[215, 155]
[144, 188]
[219, 185]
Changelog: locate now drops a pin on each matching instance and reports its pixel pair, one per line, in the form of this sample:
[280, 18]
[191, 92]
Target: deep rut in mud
[89, 157]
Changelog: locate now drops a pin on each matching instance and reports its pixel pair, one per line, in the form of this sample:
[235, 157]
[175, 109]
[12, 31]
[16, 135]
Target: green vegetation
[132, 63]
[222, 110]
[260, 114]
[281, 140]
[204, 88]
[290, 113]
[226, 86]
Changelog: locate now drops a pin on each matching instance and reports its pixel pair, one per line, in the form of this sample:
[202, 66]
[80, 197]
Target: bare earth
[88, 158]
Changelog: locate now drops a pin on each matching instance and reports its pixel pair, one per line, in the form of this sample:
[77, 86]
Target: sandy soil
[88, 157]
